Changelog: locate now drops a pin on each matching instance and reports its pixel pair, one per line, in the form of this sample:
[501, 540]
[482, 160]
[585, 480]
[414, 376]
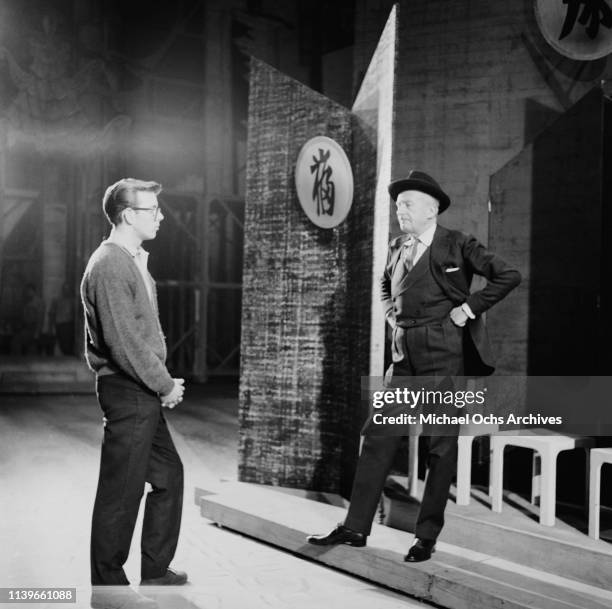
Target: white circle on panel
[575, 28]
[324, 181]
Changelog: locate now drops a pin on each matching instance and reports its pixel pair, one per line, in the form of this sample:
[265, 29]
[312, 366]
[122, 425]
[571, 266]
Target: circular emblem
[579, 29]
[324, 181]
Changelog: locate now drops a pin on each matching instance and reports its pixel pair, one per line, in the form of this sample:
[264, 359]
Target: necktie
[409, 252]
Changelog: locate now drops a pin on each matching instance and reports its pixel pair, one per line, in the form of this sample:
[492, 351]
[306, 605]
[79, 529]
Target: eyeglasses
[156, 210]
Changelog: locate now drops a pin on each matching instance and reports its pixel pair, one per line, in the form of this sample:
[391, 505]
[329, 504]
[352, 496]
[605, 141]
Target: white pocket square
[451, 269]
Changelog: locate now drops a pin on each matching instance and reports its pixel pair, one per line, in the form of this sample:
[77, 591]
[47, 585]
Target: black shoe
[340, 534]
[171, 578]
[421, 550]
[119, 597]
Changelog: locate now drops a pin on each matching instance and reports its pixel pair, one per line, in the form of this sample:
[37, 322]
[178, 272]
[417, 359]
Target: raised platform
[37, 374]
[514, 535]
[457, 576]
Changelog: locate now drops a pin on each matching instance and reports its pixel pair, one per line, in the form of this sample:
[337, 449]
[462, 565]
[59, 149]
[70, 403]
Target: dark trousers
[137, 448]
[434, 350]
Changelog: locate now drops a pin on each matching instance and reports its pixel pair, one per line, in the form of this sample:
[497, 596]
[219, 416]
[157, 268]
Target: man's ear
[126, 217]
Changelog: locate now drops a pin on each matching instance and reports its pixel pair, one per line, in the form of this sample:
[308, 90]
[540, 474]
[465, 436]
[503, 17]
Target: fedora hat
[419, 180]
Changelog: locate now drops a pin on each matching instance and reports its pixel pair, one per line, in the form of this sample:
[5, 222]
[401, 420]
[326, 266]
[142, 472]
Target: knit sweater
[122, 329]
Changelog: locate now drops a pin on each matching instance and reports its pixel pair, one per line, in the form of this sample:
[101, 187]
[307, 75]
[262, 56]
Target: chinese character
[594, 12]
[323, 189]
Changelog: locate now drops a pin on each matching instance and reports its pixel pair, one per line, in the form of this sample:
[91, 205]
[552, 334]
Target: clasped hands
[170, 400]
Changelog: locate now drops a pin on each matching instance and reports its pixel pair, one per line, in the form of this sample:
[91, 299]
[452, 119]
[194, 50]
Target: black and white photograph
[305, 304]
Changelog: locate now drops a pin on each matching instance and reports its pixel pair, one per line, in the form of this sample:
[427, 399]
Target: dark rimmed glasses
[154, 211]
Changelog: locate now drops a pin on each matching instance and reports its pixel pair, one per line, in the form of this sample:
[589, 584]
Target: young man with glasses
[126, 348]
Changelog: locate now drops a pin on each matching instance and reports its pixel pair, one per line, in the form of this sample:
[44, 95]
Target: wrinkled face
[416, 211]
[145, 215]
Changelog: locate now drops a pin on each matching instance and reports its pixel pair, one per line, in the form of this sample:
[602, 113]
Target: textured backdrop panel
[306, 298]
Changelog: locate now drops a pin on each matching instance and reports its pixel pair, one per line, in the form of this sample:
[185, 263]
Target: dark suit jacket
[452, 249]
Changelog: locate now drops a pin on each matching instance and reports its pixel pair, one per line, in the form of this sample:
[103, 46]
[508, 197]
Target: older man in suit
[437, 332]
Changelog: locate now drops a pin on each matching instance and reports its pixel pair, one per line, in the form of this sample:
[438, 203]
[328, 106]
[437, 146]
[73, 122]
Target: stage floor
[49, 457]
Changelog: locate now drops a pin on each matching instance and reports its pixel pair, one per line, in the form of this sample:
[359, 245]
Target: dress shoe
[171, 578]
[421, 550]
[340, 534]
[119, 597]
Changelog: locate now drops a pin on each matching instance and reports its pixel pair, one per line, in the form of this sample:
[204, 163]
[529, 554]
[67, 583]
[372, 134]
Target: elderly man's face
[416, 211]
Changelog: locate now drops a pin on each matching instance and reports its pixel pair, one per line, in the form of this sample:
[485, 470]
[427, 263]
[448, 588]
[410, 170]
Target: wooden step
[455, 577]
[512, 535]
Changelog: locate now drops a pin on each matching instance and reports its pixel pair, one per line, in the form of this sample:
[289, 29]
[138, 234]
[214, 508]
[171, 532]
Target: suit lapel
[441, 247]
[439, 250]
[419, 269]
[435, 255]
[398, 270]
[401, 281]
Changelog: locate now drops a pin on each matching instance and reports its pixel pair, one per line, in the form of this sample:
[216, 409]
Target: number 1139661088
[40, 595]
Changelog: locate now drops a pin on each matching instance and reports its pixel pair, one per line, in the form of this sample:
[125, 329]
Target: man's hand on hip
[170, 400]
[458, 316]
